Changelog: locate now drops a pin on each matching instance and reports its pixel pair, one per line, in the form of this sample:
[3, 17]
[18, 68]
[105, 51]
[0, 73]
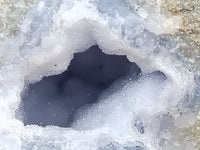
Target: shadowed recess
[55, 99]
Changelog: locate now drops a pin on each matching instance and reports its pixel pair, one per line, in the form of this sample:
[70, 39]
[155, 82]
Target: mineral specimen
[98, 75]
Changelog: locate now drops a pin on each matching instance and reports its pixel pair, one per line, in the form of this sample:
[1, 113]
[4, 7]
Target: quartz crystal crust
[143, 88]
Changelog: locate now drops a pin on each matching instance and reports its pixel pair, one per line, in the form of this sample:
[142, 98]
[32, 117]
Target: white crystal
[50, 34]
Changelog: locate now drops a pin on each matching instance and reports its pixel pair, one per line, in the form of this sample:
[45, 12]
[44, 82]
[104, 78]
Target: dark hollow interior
[55, 99]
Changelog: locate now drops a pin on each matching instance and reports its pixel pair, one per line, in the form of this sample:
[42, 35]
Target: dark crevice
[54, 99]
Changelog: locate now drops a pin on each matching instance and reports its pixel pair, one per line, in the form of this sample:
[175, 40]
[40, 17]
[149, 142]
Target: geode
[96, 75]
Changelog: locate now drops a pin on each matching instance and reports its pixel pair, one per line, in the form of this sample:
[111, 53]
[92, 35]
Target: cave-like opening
[55, 99]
